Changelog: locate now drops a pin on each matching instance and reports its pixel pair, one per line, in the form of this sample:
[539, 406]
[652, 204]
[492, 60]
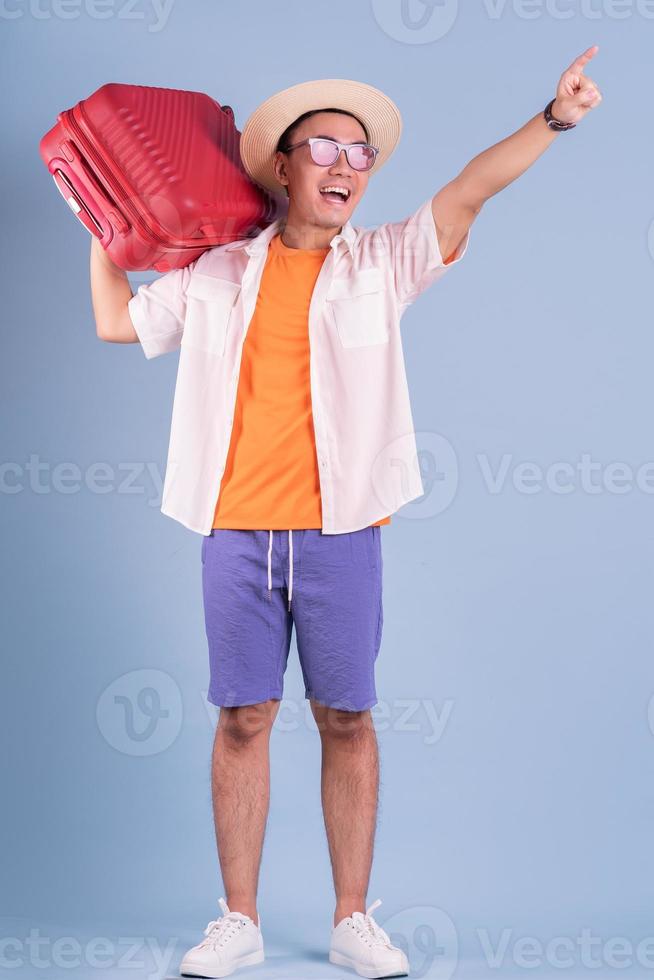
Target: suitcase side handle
[75, 203]
[85, 196]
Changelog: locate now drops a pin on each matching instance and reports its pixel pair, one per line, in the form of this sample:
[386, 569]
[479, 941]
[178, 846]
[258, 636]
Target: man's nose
[342, 161]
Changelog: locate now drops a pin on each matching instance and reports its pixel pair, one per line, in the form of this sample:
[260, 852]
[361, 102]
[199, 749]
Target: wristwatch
[555, 124]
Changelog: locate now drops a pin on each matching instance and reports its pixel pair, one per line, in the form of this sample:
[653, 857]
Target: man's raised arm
[110, 294]
[457, 204]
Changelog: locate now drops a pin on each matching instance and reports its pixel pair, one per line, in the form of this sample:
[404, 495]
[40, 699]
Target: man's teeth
[336, 190]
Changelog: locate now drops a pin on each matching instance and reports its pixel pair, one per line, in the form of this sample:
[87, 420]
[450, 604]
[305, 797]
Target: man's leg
[241, 793]
[350, 787]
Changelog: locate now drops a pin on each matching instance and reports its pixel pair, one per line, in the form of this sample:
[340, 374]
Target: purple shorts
[333, 586]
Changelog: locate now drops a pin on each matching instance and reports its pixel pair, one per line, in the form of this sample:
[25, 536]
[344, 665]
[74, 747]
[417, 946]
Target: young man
[291, 444]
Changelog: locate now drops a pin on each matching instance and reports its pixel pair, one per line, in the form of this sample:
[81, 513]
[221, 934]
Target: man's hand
[575, 94]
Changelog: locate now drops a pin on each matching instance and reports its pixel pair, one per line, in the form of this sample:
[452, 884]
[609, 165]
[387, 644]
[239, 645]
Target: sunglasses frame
[341, 146]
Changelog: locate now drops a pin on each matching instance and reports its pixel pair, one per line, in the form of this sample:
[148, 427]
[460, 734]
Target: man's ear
[279, 166]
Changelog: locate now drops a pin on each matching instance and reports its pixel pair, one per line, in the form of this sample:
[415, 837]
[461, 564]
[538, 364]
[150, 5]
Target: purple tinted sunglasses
[325, 152]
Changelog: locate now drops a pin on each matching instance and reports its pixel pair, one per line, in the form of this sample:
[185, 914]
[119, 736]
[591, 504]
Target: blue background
[523, 620]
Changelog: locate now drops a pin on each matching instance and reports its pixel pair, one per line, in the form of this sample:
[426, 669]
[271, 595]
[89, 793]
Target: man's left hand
[576, 94]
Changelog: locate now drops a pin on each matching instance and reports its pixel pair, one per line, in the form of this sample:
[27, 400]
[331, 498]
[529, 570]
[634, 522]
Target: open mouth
[335, 193]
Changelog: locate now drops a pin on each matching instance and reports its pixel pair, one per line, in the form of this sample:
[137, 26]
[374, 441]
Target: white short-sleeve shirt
[363, 426]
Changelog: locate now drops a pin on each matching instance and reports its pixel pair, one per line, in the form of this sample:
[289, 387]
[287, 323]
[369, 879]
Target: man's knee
[337, 723]
[244, 723]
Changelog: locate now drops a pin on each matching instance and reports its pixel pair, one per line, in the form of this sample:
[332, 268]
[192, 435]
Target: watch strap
[555, 124]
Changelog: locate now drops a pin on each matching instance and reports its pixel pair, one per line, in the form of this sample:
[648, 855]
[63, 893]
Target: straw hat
[262, 130]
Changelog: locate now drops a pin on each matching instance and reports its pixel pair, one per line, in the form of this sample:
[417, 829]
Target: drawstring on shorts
[290, 564]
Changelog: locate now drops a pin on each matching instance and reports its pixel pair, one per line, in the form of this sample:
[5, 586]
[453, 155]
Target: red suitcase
[155, 174]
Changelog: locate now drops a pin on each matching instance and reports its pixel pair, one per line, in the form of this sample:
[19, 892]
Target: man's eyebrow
[324, 136]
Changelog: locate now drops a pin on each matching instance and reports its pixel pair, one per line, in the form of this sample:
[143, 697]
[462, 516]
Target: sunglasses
[325, 152]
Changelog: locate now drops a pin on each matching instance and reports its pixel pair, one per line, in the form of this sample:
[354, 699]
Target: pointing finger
[579, 63]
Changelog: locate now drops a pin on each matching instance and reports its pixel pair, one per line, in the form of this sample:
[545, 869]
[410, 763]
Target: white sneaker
[360, 943]
[231, 941]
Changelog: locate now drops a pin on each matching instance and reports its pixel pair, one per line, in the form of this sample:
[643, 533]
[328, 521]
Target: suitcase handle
[75, 203]
[87, 198]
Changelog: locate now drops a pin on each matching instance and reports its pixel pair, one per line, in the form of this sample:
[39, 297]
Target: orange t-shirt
[271, 471]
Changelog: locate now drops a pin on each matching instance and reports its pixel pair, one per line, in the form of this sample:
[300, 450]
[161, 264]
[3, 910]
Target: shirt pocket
[209, 309]
[359, 308]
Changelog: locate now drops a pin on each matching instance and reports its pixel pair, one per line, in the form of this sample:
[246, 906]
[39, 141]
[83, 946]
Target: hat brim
[265, 125]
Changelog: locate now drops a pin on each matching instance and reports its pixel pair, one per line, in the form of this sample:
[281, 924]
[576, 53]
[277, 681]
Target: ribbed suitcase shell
[155, 174]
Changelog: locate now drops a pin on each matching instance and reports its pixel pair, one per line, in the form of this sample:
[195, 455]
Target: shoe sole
[364, 971]
[250, 960]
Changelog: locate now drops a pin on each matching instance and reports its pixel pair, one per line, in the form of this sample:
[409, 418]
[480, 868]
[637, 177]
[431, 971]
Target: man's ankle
[245, 908]
[346, 906]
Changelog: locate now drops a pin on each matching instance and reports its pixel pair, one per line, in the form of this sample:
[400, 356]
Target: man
[291, 444]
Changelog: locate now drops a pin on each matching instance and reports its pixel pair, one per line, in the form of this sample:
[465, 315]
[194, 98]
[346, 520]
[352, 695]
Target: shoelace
[369, 930]
[219, 931]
